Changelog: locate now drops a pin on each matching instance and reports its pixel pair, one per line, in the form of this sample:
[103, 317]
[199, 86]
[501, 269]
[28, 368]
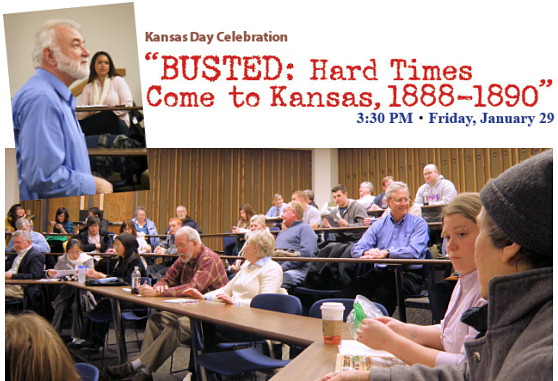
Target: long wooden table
[398, 265]
[297, 330]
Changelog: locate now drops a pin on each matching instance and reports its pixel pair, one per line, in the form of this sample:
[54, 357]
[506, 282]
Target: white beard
[75, 69]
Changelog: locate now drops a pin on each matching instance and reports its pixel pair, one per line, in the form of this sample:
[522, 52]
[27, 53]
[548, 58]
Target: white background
[504, 41]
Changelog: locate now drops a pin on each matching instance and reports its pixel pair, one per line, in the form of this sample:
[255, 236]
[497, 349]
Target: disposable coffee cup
[81, 274]
[332, 322]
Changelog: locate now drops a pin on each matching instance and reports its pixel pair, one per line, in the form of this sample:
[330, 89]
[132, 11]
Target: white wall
[111, 28]
[11, 188]
[324, 173]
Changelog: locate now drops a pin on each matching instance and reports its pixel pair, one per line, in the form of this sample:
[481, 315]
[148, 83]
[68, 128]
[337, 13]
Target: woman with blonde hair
[257, 223]
[262, 276]
[34, 351]
[440, 344]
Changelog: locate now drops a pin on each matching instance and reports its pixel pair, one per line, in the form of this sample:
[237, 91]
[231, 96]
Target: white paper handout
[61, 273]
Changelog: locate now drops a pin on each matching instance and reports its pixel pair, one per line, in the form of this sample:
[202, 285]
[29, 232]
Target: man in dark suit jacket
[27, 264]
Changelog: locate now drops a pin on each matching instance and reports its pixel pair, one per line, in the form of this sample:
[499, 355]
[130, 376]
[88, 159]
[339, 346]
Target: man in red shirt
[198, 267]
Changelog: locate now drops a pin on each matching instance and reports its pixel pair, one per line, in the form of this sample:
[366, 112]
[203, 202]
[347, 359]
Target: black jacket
[106, 242]
[31, 266]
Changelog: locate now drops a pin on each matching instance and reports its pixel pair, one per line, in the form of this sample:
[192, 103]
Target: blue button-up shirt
[407, 238]
[275, 211]
[52, 159]
[298, 237]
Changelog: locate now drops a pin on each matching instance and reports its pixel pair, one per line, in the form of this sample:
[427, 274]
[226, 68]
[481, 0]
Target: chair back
[427, 270]
[348, 303]
[87, 372]
[288, 304]
[317, 313]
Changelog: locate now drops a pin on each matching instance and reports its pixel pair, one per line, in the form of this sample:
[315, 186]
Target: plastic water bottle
[81, 273]
[136, 279]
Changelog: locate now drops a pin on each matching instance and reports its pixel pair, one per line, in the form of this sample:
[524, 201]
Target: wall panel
[468, 168]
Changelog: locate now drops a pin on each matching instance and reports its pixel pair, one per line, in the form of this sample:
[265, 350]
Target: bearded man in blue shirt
[399, 235]
[51, 154]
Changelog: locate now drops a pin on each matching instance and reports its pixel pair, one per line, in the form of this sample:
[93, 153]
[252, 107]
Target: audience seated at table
[198, 267]
[129, 227]
[27, 264]
[145, 226]
[39, 242]
[126, 248]
[259, 275]
[442, 344]
[257, 223]
[182, 215]
[96, 212]
[347, 213]
[278, 205]
[399, 235]
[66, 300]
[380, 201]
[365, 191]
[35, 351]
[312, 215]
[231, 245]
[60, 225]
[310, 197]
[93, 239]
[414, 209]
[514, 259]
[16, 212]
[437, 190]
[104, 87]
[243, 224]
[300, 238]
[165, 247]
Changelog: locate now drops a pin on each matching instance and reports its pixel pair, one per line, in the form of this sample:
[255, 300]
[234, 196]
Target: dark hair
[500, 240]
[63, 211]
[129, 224]
[93, 220]
[338, 188]
[12, 216]
[249, 212]
[93, 74]
[72, 243]
[96, 212]
[130, 253]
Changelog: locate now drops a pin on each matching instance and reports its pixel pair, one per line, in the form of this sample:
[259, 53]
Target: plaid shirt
[204, 273]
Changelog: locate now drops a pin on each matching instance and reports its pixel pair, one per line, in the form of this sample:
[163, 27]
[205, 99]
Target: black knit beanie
[519, 201]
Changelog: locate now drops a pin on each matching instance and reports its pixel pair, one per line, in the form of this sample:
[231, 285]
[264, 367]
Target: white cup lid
[332, 306]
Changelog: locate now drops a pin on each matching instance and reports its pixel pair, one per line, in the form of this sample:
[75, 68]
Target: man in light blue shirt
[399, 235]
[278, 206]
[51, 154]
[37, 239]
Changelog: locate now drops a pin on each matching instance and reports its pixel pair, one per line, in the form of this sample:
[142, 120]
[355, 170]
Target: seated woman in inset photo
[106, 88]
